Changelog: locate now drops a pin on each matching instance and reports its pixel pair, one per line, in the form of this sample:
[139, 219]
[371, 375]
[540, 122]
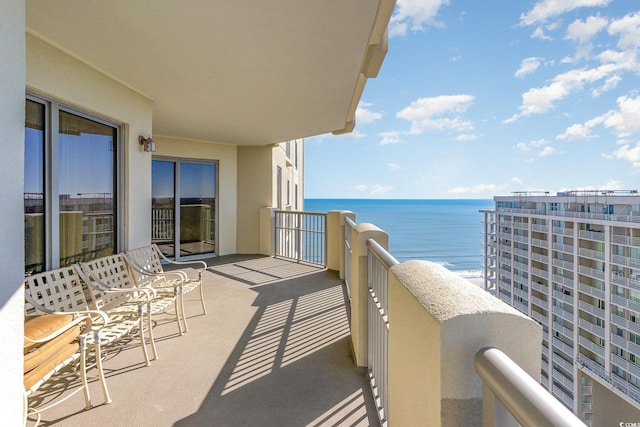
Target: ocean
[448, 232]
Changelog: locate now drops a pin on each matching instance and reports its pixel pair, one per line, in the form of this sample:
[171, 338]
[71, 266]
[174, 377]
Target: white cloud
[609, 84]
[538, 143]
[547, 151]
[626, 121]
[517, 181]
[393, 167]
[528, 66]
[374, 190]
[583, 31]
[390, 138]
[575, 132]
[466, 137]
[414, 15]
[628, 28]
[540, 100]
[364, 115]
[476, 189]
[377, 190]
[539, 33]
[627, 153]
[424, 113]
[547, 9]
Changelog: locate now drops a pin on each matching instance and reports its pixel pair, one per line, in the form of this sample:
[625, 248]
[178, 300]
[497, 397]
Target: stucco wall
[609, 409]
[227, 157]
[12, 71]
[438, 321]
[255, 186]
[54, 73]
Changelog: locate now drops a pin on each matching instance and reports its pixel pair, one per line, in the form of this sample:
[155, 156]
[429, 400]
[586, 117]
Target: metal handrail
[385, 257]
[526, 400]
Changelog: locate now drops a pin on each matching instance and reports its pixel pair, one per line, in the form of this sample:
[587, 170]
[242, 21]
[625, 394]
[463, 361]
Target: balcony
[283, 345]
[276, 336]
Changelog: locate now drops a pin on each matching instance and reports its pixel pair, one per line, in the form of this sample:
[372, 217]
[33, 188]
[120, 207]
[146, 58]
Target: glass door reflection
[188, 228]
[197, 208]
[163, 206]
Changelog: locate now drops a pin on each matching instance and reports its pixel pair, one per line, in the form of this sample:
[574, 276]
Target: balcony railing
[301, 236]
[525, 400]
[379, 263]
[407, 321]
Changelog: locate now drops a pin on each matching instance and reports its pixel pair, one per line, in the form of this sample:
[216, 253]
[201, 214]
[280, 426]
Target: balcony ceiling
[241, 72]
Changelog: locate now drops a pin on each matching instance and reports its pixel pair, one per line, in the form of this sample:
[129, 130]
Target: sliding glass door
[70, 183]
[184, 207]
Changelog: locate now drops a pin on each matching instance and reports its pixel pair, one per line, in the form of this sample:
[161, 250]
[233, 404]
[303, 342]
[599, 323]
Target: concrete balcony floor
[273, 350]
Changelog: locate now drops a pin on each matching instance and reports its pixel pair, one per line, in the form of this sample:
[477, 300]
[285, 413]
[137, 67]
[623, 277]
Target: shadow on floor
[293, 364]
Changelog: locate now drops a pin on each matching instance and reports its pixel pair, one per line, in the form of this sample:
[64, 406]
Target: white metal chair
[59, 328]
[147, 265]
[114, 290]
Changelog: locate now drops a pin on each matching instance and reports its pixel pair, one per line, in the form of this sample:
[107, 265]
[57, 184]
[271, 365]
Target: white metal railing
[301, 236]
[524, 399]
[162, 224]
[348, 225]
[591, 290]
[379, 261]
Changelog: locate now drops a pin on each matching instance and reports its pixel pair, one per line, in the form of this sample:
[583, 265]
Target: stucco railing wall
[360, 286]
[438, 321]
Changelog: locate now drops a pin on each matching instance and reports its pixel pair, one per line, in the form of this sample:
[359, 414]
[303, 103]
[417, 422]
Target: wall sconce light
[148, 144]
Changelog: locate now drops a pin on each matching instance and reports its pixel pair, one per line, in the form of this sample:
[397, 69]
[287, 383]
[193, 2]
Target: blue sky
[477, 99]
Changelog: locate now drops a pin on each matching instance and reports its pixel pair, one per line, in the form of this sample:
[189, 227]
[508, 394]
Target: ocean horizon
[444, 231]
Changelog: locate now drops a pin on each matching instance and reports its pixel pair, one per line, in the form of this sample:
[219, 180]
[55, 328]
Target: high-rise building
[571, 261]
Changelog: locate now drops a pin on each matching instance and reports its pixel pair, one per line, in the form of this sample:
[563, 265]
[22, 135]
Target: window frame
[52, 109]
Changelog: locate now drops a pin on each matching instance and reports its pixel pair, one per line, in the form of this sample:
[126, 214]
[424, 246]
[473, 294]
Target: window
[70, 193]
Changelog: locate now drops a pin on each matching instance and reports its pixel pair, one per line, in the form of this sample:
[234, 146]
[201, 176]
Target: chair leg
[154, 350]
[83, 372]
[143, 344]
[103, 381]
[177, 307]
[204, 309]
[184, 313]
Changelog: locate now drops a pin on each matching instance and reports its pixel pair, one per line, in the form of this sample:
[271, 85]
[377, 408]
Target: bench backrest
[55, 290]
[111, 271]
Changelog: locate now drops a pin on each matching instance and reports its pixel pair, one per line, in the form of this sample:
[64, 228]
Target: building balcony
[590, 290]
[276, 333]
[283, 344]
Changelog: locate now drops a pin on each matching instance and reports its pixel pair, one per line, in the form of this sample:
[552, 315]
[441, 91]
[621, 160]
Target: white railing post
[359, 286]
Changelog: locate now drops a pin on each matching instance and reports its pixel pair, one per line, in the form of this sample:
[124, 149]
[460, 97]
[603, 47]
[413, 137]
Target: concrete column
[334, 240]
[359, 286]
[267, 231]
[438, 321]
